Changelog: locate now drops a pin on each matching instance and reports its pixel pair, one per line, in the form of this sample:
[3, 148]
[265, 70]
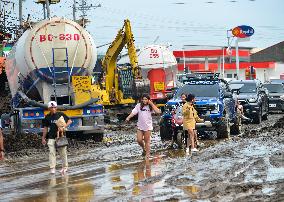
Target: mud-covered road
[245, 168]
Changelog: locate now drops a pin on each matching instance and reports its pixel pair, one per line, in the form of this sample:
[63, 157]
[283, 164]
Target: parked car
[214, 103]
[276, 96]
[280, 81]
[254, 98]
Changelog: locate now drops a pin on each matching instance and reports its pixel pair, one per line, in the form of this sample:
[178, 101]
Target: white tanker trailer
[158, 64]
[53, 61]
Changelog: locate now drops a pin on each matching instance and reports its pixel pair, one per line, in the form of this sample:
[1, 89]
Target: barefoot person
[190, 117]
[144, 110]
[49, 122]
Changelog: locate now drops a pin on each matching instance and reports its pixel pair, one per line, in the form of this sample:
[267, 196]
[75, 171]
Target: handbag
[61, 142]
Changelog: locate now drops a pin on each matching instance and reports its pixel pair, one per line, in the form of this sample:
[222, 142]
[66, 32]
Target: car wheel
[224, 130]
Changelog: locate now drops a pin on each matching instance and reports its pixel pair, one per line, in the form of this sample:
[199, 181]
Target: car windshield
[274, 88]
[244, 87]
[199, 90]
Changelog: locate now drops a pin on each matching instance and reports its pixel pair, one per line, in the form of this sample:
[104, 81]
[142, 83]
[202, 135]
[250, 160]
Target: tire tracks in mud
[226, 170]
[239, 169]
[18, 174]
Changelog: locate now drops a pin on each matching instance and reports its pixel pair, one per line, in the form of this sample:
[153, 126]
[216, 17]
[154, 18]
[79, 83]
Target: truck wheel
[98, 137]
[17, 124]
[257, 118]
[265, 116]
[107, 119]
[224, 130]
[181, 142]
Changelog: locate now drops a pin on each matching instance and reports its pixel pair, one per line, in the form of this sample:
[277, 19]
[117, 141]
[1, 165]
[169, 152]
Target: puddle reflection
[127, 179]
[174, 153]
[144, 171]
[191, 189]
[63, 189]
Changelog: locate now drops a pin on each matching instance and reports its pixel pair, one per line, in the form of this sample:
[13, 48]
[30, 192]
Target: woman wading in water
[145, 125]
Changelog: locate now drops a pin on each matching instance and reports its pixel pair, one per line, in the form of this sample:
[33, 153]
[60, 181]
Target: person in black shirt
[50, 133]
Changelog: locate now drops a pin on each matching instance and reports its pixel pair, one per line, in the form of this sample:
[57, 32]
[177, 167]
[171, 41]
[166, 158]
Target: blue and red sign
[243, 31]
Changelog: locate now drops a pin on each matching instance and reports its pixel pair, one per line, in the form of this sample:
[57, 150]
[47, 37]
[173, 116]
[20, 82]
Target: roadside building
[273, 55]
[268, 63]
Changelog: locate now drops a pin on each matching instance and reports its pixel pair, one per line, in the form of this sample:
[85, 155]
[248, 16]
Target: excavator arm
[123, 37]
[120, 86]
[132, 50]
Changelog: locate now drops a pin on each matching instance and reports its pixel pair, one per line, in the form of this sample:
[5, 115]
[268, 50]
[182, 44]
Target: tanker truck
[54, 61]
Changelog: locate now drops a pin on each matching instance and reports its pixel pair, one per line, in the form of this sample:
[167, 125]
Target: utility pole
[237, 58]
[4, 20]
[44, 11]
[8, 21]
[47, 8]
[84, 7]
[74, 10]
[21, 12]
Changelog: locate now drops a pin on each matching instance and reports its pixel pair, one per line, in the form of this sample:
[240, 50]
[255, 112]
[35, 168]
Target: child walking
[144, 109]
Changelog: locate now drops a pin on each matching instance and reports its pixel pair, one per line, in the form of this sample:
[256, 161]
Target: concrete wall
[263, 74]
[270, 73]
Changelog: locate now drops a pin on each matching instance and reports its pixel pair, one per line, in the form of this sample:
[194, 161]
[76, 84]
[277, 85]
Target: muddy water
[245, 168]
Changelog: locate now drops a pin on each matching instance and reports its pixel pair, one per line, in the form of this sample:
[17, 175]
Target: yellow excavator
[116, 87]
[120, 85]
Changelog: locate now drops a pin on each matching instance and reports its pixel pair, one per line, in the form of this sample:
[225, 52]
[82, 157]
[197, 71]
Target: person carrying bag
[51, 136]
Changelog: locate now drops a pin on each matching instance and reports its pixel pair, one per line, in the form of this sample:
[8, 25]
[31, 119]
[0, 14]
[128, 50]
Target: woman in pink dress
[144, 109]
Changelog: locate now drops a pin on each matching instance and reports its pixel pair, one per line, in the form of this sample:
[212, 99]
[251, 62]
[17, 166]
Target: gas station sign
[243, 31]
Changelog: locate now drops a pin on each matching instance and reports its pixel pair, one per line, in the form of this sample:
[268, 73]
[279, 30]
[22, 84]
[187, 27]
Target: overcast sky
[198, 22]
